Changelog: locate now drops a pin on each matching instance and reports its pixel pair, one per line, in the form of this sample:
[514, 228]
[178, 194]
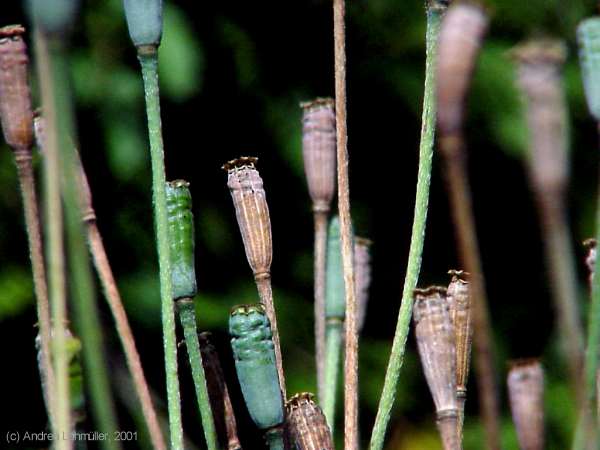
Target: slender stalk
[148, 57]
[132, 356]
[386, 402]
[187, 316]
[54, 247]
[332, 363]
[275, 439]
[320, 218]
[351, 334]
[82, 288]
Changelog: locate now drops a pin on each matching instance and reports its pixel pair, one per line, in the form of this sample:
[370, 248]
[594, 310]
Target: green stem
[149, 64]
[187, 316]
[386, 402]
[82, 286]
[275, 439]
[61, 421]
[332, 364]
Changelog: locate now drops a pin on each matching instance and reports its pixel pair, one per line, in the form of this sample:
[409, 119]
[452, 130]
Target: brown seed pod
[362, 280]
[307, 424]
[459, 302]
[15, 95]
[436, 344]
[319, 151]
[539, 78]
[252, 211]
[461, 35]
[219, 395]
[526, 395]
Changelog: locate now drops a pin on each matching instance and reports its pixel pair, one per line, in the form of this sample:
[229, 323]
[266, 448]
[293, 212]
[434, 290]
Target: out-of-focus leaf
[16, 290]
[126, 147]
[283, 116]
[213, 228]
[244, 52]
[181, 60]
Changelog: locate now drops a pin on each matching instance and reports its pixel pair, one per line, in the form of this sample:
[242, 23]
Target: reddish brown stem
[452, 147]
[320, 260]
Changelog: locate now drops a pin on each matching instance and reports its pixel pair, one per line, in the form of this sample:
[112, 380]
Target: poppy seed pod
[335, 301]
[539, 78]
[252, 212]
[436, 344]
[461, 34]
[526, 394]
[254, 355]
[588, 37]
[459, 303]
[307, 424]
[144, 20]
[362, 267]
[319, 151]
[15, 95]
[181, 239]
[53, 16]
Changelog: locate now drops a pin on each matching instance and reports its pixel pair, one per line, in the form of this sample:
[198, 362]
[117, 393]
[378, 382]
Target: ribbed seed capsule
[319, 151]
[307, 424]
[362, 268]
[181, 239]
[461, 34]
[588, 36]
[436, 344]
[144, 20]
[219, 394]
[526, 394]
[252, 211]
[15, 95]
[254, 356]
[335, 301]
[539, 78]
[459, 302]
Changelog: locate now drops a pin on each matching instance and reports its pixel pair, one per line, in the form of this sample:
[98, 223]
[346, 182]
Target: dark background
[232, 76]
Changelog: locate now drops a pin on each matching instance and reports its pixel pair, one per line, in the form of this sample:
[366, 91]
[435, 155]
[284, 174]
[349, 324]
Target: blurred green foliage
[231, 86]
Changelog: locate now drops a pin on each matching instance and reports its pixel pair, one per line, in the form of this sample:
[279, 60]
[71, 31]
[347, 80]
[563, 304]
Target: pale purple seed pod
[252, 212]
[362, 280]
[459, 303]
[307, 424]
[319, 151]
[436, 345]
[461, 35]
[539, 77]
[16, 113]
[526, 395]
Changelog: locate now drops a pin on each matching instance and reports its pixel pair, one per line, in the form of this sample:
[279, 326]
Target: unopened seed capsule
[144, 20]
[335, 301]
[254, 356]
[588, 37]
[181, 239]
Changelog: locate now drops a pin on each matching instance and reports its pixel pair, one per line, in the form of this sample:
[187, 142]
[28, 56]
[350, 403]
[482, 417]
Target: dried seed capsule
[590, 259]
[53, 16]
[526, 394]
[181, 239]
[15, 95]
[335, 301]
[539, 78]
[461, 34]
[307, 424]
[459, 302]
[588, 36]
[252, 211]
[144, 20]
[362, 267]
[254, 356]
[435, 341]
[319, 151]
[219, 395]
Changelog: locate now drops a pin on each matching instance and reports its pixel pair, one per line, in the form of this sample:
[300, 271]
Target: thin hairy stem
[413, 268]
[149, 64]
[187, 316]
[351, 335]
[61, 421]
[111, 291]
[320, 261]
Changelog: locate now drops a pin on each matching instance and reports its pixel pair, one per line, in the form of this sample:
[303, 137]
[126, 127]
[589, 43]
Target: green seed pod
[254, 356]
[181, 239]
[144, 20]
[335, 300]
[53, 16]
[588, 36]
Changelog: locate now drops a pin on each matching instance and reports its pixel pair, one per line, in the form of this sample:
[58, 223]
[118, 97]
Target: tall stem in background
[351, 333]
[435, 11]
